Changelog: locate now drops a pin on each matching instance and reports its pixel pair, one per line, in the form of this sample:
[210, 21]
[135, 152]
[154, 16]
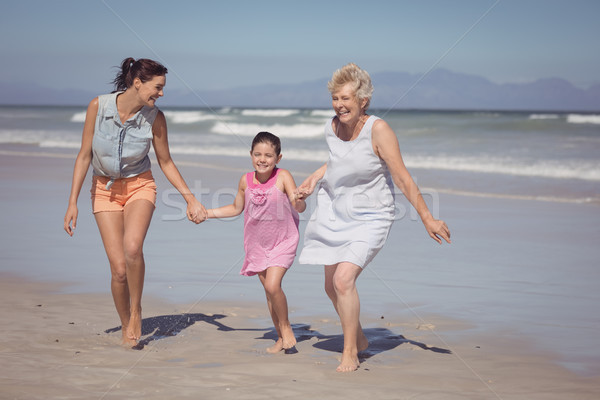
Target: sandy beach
[474, 333]
[67, 346]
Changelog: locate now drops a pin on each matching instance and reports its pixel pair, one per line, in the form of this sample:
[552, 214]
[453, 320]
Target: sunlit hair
[144, 69]
[358, 78]
[267, 137]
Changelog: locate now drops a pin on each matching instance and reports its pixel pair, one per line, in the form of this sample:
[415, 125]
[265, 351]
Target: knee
[341, 286]
[119, 274]
[272, 289]
[133, 250]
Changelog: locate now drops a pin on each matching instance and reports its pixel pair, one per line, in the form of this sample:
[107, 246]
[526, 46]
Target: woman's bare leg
[123, 235]
[137, 216]
[340, 286]
[110, 225]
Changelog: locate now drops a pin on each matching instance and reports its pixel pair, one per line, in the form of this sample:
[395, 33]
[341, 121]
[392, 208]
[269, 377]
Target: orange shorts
[122, 192]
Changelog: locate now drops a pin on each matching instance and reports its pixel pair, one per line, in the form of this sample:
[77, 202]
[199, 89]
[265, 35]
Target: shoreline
[216, 350]
[299, 169]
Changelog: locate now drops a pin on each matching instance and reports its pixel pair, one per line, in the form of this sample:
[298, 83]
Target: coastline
[481, 318]
[61, 345]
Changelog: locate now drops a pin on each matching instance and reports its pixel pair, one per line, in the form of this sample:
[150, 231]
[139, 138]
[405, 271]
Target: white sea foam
[583, 119]
[291, 154]
[66, 144]
[20, 136]
[78, 117]
[30, 136]
[298, 131]
[190, 117]
[574, 169]
[176, 117]
[269, 112]
[322, 113]
[544, 116]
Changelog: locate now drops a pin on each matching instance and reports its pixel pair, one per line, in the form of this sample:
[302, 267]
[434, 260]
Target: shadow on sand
[380, 339]
[164, 326]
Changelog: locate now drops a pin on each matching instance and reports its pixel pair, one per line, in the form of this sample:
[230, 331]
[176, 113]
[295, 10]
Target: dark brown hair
[267, 137]
[144, 68]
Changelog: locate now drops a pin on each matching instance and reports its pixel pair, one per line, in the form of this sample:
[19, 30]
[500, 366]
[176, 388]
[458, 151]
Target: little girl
[270, 228]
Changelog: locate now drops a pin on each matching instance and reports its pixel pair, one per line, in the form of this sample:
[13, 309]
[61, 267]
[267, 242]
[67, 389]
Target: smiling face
[264, 159]
[346, 105]
[151, 90]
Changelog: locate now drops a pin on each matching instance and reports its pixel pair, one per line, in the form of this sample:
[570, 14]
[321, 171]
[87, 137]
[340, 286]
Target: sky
[206, 45]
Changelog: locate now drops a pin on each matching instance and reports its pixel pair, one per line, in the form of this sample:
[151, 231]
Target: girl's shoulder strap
[273, 179]
[250, 179]
[270, 182]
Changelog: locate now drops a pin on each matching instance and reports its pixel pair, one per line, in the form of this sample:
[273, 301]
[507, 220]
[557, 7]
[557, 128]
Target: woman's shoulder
[159, 113]
[105, 98]
[376, 120]
[379, 126]
[94, 103]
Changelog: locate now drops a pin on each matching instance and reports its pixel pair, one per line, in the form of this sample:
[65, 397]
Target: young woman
[118, 131]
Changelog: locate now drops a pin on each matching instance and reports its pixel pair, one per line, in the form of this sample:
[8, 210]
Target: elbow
[84, 158]
[164, 163]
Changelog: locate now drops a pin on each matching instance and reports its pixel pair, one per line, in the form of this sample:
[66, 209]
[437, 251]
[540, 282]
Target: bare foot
[134, 329]
[125, 340]
[349, 362]
[276, 348]
[289, 340]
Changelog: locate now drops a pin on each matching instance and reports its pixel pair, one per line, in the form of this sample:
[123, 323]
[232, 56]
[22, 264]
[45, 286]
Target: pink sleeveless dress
[270, 226]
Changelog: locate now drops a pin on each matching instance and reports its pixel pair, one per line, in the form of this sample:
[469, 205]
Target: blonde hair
[358, 78]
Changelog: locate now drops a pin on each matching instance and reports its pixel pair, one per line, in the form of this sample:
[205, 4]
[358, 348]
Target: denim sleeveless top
[120, 150]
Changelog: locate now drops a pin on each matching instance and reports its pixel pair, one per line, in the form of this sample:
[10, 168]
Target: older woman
[355, 201]
[118, 131]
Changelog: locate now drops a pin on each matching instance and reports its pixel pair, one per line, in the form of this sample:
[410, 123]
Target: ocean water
[552, 156]
[520, 192]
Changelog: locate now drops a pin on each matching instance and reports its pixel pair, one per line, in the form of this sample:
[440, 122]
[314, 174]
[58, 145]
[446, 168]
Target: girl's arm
[308, 186]
[82, 164]
[289, 186]
[234, 209]
[385, 145]
[195, 210]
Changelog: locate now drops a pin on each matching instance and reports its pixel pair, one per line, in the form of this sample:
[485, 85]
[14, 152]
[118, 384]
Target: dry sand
[66, 346]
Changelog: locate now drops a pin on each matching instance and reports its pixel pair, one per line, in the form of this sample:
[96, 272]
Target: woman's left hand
[196, 211]
[438, 230]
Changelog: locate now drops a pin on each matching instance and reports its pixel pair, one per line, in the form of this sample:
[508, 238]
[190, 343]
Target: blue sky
[223, 44]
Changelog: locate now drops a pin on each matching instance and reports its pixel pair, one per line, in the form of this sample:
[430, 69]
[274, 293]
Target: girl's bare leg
[276, 300]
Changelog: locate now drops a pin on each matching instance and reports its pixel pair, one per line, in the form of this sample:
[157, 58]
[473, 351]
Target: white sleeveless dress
[355, 203]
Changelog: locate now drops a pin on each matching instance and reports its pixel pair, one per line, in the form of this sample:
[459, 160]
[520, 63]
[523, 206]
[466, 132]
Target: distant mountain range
[441, 89]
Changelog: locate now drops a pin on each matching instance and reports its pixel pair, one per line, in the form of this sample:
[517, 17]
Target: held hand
[305, 190]
[438, 230]
[196, 212]
[70, 217]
